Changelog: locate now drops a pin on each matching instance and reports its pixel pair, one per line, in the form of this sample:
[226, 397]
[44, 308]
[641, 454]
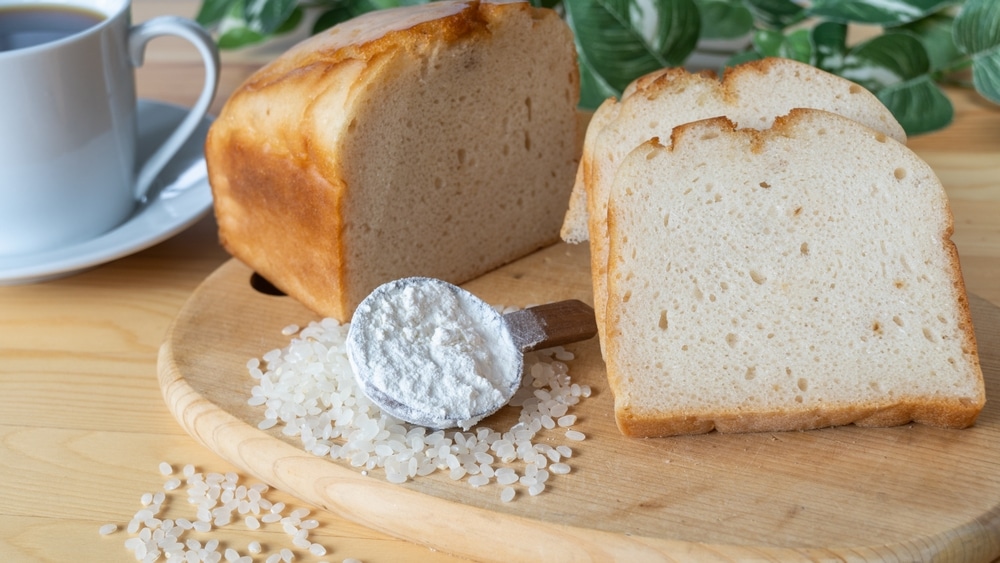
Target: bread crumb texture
[436, 140]
[792, 278]
[751, 95]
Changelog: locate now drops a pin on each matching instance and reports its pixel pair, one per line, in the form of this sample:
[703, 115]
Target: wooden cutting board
[904, 494]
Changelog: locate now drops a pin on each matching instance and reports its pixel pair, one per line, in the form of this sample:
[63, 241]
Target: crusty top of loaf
[751, 94]
[434, 140]
[790, 278]
[367, 36]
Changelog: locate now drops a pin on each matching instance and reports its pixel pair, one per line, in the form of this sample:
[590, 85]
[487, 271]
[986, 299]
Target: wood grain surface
[83, 423]
[906, 493]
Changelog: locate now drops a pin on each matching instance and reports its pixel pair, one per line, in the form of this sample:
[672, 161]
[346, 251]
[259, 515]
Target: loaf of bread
[436, 140]
[750, 95]
[792, 278]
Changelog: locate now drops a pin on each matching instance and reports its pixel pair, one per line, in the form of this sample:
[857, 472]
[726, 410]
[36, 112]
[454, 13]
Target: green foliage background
[921, 44]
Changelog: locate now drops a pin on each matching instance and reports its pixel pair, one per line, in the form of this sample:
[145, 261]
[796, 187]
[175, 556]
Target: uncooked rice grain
[214, 498]
[507, 494]
[307, 390]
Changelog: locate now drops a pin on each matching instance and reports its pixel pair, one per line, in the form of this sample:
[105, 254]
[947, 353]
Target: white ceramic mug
[68, 130]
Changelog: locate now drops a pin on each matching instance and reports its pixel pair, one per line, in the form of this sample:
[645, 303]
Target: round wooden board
[905, 494]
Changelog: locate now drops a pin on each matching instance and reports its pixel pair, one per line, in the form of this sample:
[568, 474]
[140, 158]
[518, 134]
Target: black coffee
[27, 26]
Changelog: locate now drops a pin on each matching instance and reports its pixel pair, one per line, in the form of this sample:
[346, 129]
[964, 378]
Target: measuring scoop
[431, 353]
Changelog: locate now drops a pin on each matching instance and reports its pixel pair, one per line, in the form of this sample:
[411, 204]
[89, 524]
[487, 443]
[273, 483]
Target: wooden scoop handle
[552, 324]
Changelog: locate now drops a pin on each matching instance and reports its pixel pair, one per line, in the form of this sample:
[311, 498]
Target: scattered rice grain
[507, 494]
[559, 468]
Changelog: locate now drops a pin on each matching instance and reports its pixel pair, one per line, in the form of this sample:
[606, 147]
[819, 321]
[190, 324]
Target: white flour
[434, 354]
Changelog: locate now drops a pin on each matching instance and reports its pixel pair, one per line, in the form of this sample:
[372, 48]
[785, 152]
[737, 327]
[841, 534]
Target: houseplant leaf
[266, 16]
[935, 32]
[622, 41]
[896, 68]
[886, 14]
[918, 104]
[211, 12]
[795, 45]
[977, 33]
[775, 14]
[886, 60]
[234, 29]
[829, 45]
[724, 19]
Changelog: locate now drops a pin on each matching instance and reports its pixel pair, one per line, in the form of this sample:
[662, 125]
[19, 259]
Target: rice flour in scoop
[430, 353]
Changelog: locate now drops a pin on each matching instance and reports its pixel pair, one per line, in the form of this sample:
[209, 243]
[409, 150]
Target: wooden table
[83, 425]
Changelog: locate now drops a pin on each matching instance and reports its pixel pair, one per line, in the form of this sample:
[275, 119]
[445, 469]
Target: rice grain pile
[308, 390]
[217, 500]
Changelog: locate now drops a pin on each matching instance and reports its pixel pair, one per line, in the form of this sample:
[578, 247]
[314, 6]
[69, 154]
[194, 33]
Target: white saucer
[179, 197]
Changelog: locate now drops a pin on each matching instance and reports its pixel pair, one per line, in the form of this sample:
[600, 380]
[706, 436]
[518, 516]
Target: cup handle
[139, 35]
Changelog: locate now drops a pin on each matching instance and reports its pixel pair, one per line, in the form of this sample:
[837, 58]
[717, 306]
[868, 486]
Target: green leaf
[724, 19]
[977, 26]
[266, 16]
[918, 105]
[236, 37]
[768, 42]
[886, 60]
[329, 18]
[625, 39]
[211, 12]
[593, 88]
[292, 22]
[744, 57]
[986, 77]
[829, 46]
[886, 13]
[234, 30]
[776, 14]
[935, 32]
[795, 45]
[977, 33]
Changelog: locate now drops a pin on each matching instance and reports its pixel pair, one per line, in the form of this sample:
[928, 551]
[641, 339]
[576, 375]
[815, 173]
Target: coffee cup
[68, 125]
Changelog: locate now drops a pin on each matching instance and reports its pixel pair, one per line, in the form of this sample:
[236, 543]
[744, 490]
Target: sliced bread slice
[574, 228]
[792, 278]
[751, 95]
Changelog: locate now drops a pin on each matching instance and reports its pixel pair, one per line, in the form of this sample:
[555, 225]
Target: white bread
[793, 278]
[436, 140]
[574, 228]
[751, 95]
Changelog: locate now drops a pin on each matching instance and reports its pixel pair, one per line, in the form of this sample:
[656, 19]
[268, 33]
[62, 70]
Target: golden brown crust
[943, 414]
[368, 36]
[277, 154]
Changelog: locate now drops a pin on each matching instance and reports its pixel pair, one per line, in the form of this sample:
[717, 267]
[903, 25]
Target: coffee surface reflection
[28, 26]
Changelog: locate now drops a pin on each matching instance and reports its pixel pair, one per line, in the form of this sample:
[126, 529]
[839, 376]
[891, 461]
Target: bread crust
[283, 159]
[951, 414]
[943, 408]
